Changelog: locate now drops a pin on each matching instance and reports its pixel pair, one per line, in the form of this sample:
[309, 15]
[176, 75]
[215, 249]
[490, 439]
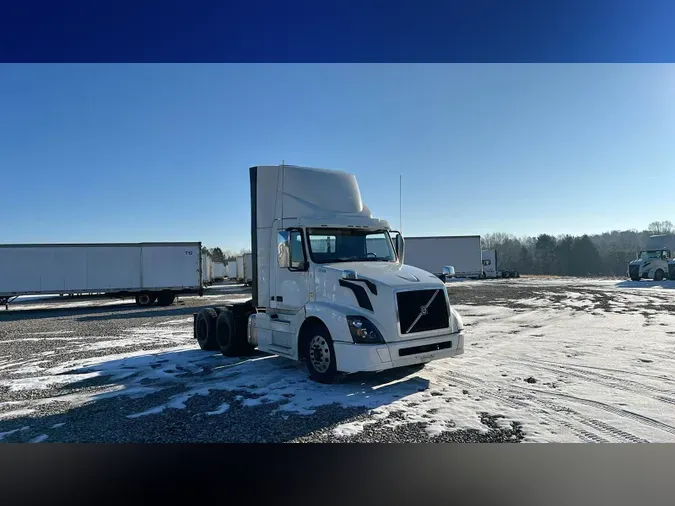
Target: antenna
[283, 174]
[400, 204]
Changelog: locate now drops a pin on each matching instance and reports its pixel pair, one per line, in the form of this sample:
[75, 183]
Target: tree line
[606, 254]
[223, 256]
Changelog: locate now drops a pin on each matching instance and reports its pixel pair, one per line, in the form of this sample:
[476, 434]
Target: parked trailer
[248, 268]
[232, 269]
[207, 269]
[218, 271]
[240, 269]
[434, 253]
[320, 294]
[148, 271]
[491, 267]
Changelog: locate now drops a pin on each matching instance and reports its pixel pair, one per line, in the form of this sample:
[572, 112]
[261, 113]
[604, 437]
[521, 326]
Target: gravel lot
[96, 370]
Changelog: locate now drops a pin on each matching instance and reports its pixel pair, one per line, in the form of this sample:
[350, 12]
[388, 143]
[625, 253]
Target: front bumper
[353, 358]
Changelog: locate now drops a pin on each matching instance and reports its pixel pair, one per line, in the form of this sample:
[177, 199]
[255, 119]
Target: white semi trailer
[248, 269]
[654, 261]
[207, 269]
[434, 253]
[218, 271]
[147, 271]
[319, 293]
[232, 269]
[240, 269]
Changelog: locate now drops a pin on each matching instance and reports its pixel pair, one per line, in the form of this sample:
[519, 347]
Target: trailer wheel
[206, 329]
[145, 299]
[166, 298]
[320, 354]
[658, 275]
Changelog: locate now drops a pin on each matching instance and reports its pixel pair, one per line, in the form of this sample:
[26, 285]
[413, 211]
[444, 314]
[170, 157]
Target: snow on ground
[568, 360]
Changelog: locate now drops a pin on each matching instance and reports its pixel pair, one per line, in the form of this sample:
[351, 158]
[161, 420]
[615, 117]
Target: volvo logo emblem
[423, 310]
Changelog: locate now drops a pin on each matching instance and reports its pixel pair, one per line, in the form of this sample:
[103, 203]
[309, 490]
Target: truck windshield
[350, 245]
[644, 255]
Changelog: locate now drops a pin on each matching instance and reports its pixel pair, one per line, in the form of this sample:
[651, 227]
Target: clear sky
[108, 153]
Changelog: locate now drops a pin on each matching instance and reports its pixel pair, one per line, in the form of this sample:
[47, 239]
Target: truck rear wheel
[205, 329]
[145, 299]
[225, 334]
[320, 355]
[166, 298]
[231, 336]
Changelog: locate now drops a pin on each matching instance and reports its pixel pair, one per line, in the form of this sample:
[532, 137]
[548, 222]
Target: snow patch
[223, 408]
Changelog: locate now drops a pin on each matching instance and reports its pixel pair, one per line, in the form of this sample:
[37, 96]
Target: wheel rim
[144, 299]
[319, 354]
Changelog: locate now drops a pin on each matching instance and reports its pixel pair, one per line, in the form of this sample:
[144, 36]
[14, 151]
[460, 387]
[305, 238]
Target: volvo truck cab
[653, 261]
[329, 283]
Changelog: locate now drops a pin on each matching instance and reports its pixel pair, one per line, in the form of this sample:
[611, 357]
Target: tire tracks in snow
[605, 380]
[603, 430]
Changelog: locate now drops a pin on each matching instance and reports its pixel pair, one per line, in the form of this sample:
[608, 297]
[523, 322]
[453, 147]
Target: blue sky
[107, 153]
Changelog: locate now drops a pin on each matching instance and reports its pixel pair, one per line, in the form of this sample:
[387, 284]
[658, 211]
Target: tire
[320, 355]
[226, 334]
[206, 329]
[166, 298]
[635, 279]
[145, 299]
[658, 275]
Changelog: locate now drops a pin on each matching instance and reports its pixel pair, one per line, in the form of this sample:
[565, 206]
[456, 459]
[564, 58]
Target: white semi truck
[491, 267]
[434, 253]
[655, 260]
[321, 292]
[150, 272]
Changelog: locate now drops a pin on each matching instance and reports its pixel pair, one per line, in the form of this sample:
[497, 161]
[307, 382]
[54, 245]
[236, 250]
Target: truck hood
[389, 274]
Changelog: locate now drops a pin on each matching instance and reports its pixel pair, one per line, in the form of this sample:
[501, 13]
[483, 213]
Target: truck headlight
[363, 331]
[458, 319]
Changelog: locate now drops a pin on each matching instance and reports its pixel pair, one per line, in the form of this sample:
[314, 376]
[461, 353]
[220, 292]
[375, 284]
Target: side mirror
[399, 245]
[449, 271]
[300, 266]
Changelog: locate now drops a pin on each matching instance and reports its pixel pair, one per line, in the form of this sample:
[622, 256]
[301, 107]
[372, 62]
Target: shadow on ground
[120, 311]
[646, 284]
[193, 396]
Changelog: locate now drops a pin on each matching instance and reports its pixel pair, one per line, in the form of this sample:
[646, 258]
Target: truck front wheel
[658, 275]
[320, 355]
